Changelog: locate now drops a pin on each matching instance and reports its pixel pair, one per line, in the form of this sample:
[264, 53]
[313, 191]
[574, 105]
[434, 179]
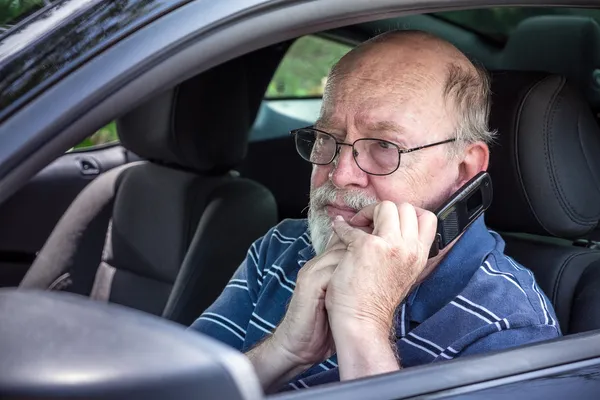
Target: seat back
[546, 177]
[183, 220]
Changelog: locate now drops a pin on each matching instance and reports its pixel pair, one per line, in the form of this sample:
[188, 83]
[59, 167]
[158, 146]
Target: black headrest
[544, 165]
[203, 123]
[559, 44]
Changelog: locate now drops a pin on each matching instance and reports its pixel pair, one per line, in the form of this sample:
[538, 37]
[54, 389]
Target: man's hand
[304, 332]
[303, 338]
[375, 275]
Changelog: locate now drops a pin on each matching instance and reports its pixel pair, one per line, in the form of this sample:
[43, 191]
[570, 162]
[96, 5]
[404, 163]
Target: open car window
[297, 87]
[14, 11]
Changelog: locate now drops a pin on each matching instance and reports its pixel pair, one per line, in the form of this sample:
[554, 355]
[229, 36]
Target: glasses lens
[314, 146]
[376, 156]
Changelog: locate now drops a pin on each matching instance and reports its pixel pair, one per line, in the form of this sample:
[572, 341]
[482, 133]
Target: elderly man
[351, 292]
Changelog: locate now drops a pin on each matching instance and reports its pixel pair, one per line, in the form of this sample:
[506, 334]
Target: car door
[29, 216]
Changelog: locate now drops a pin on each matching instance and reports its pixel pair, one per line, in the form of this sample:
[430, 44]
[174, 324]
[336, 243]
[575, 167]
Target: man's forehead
[372, 121]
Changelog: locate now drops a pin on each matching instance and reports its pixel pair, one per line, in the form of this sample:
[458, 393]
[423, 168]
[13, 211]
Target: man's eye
[384, 145]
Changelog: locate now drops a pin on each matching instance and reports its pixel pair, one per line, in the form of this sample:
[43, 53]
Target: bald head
[401, 65]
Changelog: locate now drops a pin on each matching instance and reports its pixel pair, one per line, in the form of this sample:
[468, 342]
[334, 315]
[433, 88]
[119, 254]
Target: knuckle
[412, 257]
[302, 273]
[387, 204]
[373, 242]
[406, 207]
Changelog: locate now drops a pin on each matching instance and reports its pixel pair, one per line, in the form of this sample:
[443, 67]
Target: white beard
[319, 223]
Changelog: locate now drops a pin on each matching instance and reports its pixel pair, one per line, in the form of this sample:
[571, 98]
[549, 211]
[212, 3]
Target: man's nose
[345, 172]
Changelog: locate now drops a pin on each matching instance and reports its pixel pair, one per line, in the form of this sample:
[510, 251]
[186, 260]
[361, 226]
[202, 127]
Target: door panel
[29, 216]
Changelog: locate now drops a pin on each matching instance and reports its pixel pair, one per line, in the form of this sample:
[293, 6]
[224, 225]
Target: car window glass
[293, 98]
[104, 135]
[13, 11]
[304, 69]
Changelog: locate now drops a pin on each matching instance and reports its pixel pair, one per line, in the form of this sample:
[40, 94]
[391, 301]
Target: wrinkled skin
[391, 90]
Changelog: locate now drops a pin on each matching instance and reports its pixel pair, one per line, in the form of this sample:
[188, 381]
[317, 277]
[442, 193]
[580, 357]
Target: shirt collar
[454, 271]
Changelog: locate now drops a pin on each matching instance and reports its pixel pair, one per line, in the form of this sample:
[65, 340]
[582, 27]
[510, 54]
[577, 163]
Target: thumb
[346, 233]
[334, 241]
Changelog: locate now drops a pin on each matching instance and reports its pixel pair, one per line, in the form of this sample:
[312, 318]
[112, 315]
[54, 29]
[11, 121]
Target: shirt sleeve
[228, 317]
[511, 338]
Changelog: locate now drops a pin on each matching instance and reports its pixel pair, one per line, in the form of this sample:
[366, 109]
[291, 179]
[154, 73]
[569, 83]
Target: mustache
[328, 193]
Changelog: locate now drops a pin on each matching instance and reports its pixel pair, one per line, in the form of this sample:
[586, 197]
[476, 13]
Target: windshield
[498, 23]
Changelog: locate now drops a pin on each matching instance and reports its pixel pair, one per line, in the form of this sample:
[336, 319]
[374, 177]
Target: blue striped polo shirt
[477, 300]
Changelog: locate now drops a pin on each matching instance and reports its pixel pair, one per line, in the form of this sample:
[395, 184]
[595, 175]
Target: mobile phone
[461, 210]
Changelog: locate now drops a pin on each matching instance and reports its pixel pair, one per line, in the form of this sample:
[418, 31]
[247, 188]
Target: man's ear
[476, 159]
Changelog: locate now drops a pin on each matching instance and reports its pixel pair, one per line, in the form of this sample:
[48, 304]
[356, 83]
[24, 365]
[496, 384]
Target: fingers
[386, 221]
[317, 272]
[409, 224]
[364, 217]
[332, 257]
[321, 277]
[383, 217]
[391, 221]
[334, 242]
[345, 232]
[427, 226]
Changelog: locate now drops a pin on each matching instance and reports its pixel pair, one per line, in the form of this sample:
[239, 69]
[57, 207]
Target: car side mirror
[61, 345]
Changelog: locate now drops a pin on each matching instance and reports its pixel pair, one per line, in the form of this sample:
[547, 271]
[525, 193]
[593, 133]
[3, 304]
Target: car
[144, 144]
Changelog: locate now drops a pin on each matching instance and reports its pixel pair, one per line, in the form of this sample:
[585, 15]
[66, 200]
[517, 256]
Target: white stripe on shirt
[283, 274]
[470, 311]
[478, 306]
[426, 341]
[233, 285]
[263, 321]
[505, 275]
[282, 236]
[283, 285]
[300, 381]
[259, 327]
[418, 346]
[543, 304]
[226, 319]
[223, 325]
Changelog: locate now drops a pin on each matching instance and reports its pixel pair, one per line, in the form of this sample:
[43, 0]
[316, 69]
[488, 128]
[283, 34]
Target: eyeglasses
[373, 156]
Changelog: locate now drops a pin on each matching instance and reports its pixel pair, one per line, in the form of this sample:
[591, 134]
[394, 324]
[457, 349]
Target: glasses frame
[338, 146]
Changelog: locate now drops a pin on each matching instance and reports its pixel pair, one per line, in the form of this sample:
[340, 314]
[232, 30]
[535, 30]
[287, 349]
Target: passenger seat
[546, 174]
[180, 223]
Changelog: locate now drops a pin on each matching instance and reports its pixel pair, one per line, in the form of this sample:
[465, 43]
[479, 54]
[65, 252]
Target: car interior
[159, 220]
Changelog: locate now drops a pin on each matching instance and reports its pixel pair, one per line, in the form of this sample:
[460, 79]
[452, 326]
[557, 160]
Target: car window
[304, 69]
[293, 97]
[13, 11]
[105, 135]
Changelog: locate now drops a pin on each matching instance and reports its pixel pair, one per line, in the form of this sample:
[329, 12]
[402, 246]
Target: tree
[11, 11]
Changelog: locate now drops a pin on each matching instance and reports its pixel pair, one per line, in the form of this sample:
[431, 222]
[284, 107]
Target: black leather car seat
[179, 223]
[546, 174]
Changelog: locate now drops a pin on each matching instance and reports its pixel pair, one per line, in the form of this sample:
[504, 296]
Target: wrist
[356, 330]
[364, 349]
[378, 326]
[278, 347]
[273, 364]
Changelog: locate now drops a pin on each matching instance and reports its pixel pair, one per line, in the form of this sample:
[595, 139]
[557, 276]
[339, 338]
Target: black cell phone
[461, 210]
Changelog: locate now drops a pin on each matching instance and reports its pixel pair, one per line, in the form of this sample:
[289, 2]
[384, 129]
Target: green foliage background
[13, 10]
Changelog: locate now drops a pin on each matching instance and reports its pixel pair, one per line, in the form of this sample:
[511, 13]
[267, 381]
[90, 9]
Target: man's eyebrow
[322, 122]
[388, 126]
